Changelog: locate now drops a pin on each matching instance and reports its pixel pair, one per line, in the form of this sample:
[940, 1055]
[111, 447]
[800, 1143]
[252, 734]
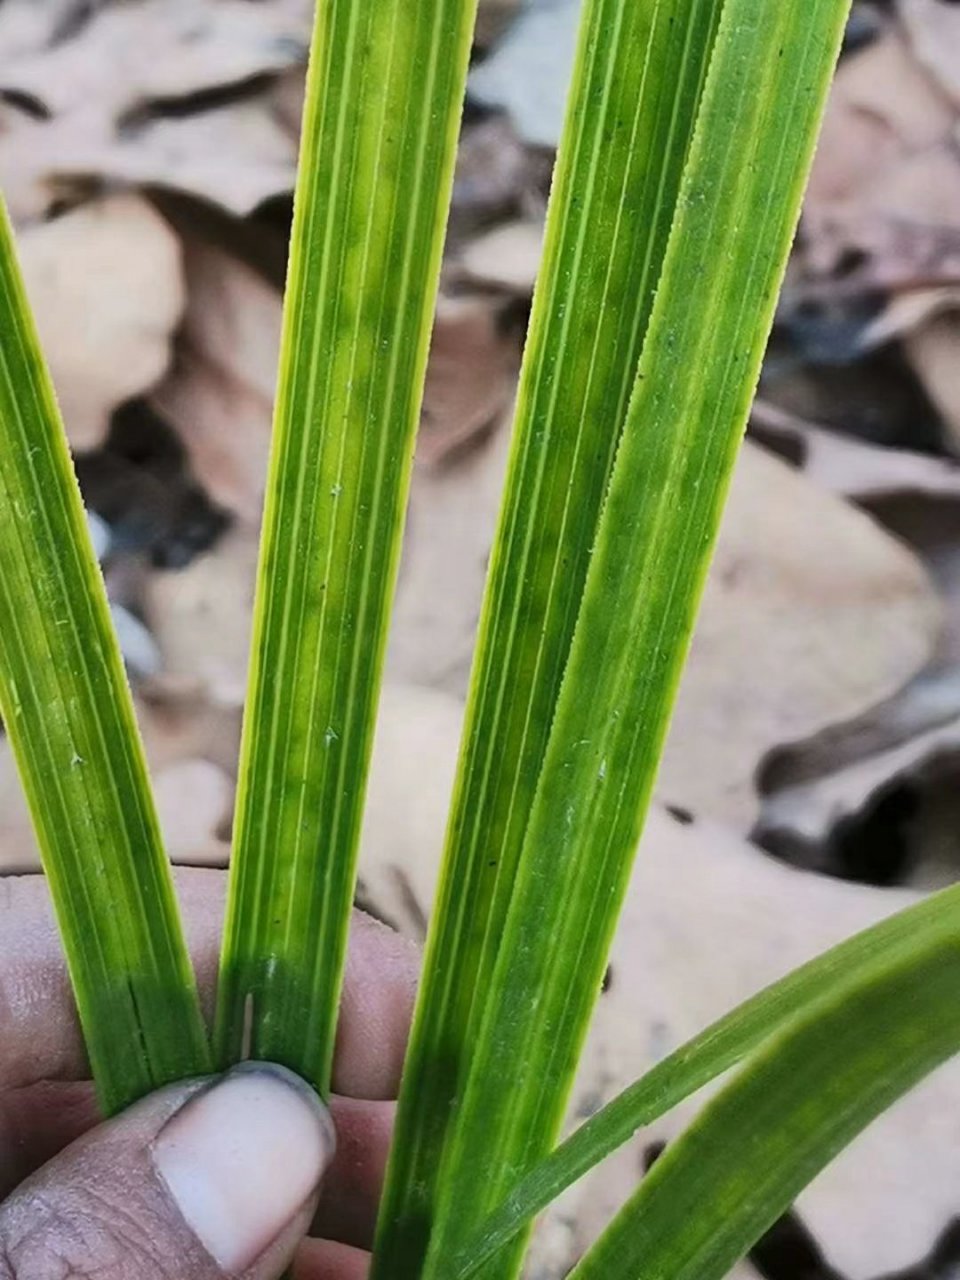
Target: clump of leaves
[690, 132]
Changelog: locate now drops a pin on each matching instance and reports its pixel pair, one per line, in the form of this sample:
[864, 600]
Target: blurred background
[812, 780]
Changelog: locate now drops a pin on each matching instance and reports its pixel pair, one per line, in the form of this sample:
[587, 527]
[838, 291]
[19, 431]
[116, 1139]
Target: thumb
[198, 1182]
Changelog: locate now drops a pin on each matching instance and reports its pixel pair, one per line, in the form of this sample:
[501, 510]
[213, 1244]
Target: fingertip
[242, 1158]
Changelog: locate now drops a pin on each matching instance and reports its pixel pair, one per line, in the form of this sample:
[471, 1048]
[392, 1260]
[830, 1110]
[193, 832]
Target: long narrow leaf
[726, 1042]
[736, 216]
[383, 104]
[780, 1121]
[69, 716]
[637, 84]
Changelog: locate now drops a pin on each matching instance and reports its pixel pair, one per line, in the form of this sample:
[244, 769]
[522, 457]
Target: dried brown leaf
[411, 779]
[907, 311]
[219, 394]
[194, 801]
[178, 722]
[496, 175]
[474, 361]
[811, 615]
[802, 820]
[886, 181]
[201, 617]
[493, 17]
[105, 282]
[852, 468]
[828, 614]
[131, 55]
[934, 30]
[506, 258]
[450, 526]
[934, 352]
[178, 93]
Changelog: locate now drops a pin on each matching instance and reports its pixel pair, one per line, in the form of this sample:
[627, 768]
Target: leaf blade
[736, 216]
[781, 1120]
[384, 94]
[720, 1046]
[70, 719]
[640, 72]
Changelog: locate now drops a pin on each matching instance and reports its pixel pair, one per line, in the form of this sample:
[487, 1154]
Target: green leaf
[639, 75]
[384, 96]
[69, 716]
[781, 1120]
[735, 220]
[843, 969]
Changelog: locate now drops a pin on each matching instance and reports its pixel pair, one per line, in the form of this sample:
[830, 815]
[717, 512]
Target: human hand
[206, 1179]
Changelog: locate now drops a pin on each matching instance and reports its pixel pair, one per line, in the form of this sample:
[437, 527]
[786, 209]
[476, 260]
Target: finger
[37, 1122]
[42, 1039]
[378, 993]
[200, 1181]
[347, 1211]
[41, 1034]
[325, 1260]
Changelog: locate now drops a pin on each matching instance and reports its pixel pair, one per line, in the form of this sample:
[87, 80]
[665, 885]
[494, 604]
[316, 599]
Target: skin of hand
[204, 1180]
